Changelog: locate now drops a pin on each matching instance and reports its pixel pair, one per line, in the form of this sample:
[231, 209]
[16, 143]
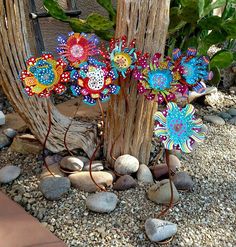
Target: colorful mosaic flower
[157, 80]
[94, 81]
[77, 48]
[44, 75]
[192, 68]
[120, 56]
[178, 128]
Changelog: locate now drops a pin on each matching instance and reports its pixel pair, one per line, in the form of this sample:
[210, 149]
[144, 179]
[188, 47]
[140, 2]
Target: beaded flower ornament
[192, 68]
[94, 81]
[120, 56]
[157, 80]
[44, 75]
[178, 128]
[77, 48]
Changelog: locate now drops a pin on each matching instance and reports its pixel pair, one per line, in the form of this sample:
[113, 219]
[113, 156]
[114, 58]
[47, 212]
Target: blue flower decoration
[178, 128]
[160, 79]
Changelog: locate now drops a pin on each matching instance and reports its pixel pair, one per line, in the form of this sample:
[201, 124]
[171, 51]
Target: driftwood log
[147, 21]
[16, 44]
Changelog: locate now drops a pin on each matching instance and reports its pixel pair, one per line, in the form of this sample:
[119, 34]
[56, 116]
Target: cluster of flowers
[91, 71]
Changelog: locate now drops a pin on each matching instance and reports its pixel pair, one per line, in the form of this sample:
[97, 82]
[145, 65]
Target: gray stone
[54, 187]
[102, 202]
[125, 182]
[233, 120]
[82, 180]
[126, 164]
[96, 166]
[232, 111]
[72, 163]
[53, 159]
[159, 230]
[144, 174]
[11, 133]
[2, 118]
[4, 141]
[160, 192]
[226, 116]
[182, 181]
[9, 173]
[214, 119]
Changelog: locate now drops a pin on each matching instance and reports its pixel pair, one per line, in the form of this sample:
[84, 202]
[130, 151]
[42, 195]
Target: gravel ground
[205, 217]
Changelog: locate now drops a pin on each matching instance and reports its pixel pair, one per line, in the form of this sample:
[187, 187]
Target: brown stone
[55, 170]
[124, 183]
[161, 171]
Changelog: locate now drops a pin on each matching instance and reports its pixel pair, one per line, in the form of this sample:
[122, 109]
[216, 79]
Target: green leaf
[230, 27]
[79, 25]
[176, 22]
[191, 42]
[190, 13]
[222, 59]
[234, 56]
[55, 10]
[216, 76]
[105, 35]
[107, 5]
[211, 6]
[201, 5]
[210, 23]
[99, 22]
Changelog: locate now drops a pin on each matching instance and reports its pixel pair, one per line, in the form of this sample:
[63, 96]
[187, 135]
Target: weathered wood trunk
[147, 21]
[16, 45]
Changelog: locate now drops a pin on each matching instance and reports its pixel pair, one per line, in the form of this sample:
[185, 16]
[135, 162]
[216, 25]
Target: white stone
[159, 230]
[126, 164]
[144, 174]
[2, 118]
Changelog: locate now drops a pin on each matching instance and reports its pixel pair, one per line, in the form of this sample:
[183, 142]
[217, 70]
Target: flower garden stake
[43, 76]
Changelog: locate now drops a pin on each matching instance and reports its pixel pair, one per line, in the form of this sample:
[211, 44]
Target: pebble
[52, 159]
[144, 174]
[53, 188]
[174, 161]
[160, 192]
[225, 115]
[9, 173]
[2, 118]
[102, 202]
[158, 230]
[83, 181]
[233, 121]
[4, 141]
[160, 171]
[125, 182]
[214, 119]
[54, 169]
[182, 181]
[232, 111]
[72, 163]
[96, 166]
[11, 133]
[126, 164]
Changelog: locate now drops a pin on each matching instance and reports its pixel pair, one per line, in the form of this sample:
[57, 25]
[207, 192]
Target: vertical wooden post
[147, 21]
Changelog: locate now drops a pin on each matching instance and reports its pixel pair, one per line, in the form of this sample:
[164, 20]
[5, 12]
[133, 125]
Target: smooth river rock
[11, 133]
[125, 182]
[214, 119]
[225, 115]
[9, 173]
[233, 121]
[97, 165]
[53, 188]
[102, 202]
[160, 192]
[72, 163]
[161, 171]
[82, 180]
[4, 141]
[126, 164]
[232, 111]
[182, 181]
[158, 230]
[54, 169]
[144, 174]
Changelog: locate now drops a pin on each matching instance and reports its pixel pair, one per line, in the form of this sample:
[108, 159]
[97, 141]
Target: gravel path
[205, 217]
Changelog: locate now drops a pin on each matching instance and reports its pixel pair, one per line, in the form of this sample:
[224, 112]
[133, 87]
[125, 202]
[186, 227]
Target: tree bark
[16, 44]
[147, 21]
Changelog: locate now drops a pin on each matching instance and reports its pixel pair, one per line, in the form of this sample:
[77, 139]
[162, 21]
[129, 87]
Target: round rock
[102, 202]
[126, 164]
[182, 181]
[72, 163]
[159, 230]
[225, 115]
[214, 119]
[160, 192]
[232, 111]
[11, 133]
[96, 166]
[144, 174]
[125, 182]
[161, 171]
[9, 173]
[233, 121]
[54, 187]
[4, 141]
